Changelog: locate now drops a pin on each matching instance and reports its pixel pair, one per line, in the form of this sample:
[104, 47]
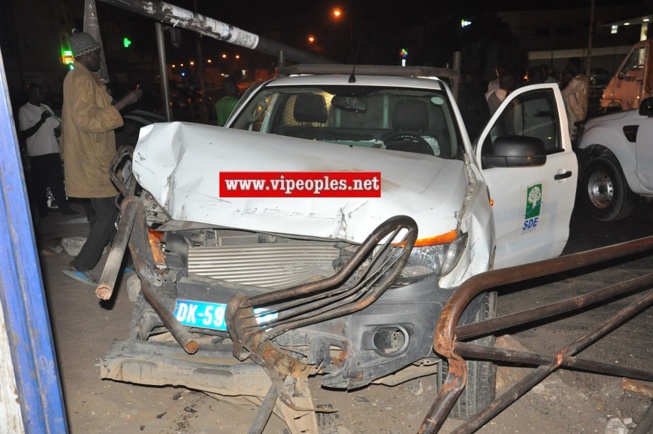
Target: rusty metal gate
[449, 338]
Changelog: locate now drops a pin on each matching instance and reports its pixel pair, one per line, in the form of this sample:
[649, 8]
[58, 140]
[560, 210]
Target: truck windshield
[410, 120]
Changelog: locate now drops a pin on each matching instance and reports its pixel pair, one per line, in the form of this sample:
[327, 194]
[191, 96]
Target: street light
[339, 15]
[313, 44]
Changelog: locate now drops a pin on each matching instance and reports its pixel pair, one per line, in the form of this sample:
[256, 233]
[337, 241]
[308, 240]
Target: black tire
[481, 376]
[604, 191]
[144, 319]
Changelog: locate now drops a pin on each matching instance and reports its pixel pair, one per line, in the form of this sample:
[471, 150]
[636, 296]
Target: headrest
[410, 115]
[310, 107]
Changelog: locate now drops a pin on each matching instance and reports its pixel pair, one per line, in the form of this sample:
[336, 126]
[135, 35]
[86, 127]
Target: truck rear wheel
[604, 191]
[481, 376]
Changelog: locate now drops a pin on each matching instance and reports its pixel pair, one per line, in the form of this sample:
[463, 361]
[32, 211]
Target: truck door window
[636, 61]
[533, 114]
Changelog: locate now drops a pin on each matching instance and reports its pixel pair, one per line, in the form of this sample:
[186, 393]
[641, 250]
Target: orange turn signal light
[438, 239]
[155, 244]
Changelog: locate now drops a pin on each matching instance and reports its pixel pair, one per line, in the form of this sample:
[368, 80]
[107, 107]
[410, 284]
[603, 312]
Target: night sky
[291, 21]
[260, 15]
[377, 29]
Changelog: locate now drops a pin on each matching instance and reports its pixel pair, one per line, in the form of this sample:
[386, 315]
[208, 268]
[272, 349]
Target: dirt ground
[566, 402]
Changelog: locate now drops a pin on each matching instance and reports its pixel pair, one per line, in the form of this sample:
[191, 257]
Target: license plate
[206, 315]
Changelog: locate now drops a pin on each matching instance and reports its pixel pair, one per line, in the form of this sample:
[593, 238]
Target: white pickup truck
[281, 201]
[616, 162]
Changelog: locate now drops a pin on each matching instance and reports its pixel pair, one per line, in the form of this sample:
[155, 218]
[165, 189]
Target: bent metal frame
[449, 338]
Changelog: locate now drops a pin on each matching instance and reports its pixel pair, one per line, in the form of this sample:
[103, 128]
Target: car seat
[409, 119]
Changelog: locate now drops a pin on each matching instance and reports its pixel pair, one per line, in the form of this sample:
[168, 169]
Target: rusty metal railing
[448, 333]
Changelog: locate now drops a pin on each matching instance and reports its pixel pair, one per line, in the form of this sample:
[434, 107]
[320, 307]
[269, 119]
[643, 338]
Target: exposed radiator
[275, 265]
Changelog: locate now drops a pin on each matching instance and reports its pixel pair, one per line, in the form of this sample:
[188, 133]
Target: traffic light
[126, 42]
[403, 53]
[67, 57]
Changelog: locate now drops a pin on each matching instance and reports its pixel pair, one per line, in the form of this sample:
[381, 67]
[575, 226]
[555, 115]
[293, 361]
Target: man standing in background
[225, 105]
[507, 81]
[40, 129]
[88, 148]
[576, 95]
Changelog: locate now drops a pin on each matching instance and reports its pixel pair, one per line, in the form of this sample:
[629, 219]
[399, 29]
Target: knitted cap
[82, 43]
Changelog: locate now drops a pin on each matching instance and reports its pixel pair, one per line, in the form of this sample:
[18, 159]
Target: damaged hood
[180, 165]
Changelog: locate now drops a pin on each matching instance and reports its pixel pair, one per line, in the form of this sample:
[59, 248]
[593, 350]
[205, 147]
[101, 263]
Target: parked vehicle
[260, 262]
[633, 81]
[133, 121]
[616, 162]
[599, 77]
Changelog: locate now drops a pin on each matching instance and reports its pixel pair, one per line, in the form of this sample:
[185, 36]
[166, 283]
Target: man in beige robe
[88, 146]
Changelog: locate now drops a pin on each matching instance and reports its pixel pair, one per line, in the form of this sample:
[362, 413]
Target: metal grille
[273, 265]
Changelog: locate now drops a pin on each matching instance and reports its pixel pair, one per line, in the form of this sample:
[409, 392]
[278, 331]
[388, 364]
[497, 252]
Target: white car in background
[503, 201]
[616, 159]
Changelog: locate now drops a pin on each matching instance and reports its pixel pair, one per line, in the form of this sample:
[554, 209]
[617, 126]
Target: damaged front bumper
[251, 360]
[162, 364]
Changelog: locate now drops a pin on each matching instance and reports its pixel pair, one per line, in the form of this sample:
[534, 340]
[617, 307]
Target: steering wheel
[408, 142]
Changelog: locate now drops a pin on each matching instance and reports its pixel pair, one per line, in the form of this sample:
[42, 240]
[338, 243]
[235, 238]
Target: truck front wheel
[479, 392]
[604, 191]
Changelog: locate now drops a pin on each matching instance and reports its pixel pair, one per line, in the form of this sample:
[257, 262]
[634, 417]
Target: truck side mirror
[646, 108]
[516, 151]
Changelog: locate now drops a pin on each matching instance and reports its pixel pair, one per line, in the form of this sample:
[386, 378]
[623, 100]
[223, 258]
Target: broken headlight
[434, 256]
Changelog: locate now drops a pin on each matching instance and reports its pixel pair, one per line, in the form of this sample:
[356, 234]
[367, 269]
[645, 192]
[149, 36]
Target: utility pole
[185, 19]
[92, 27]
[589, 41]
[204, 105]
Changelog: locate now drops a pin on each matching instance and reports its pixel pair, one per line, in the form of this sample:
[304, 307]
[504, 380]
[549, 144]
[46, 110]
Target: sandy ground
[567, 402]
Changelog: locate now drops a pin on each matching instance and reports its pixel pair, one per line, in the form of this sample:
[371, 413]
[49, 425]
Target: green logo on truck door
[533, 206]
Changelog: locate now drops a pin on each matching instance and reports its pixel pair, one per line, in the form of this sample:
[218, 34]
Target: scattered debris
[616, 426]
[72, 245]
[133, 289]
[637, 387]
[416, 387]
[50, 246]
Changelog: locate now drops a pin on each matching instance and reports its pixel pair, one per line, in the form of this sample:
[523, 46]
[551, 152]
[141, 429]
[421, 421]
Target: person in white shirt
[495, 98]
[40, 129]
[512, 115]
[495, 84]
